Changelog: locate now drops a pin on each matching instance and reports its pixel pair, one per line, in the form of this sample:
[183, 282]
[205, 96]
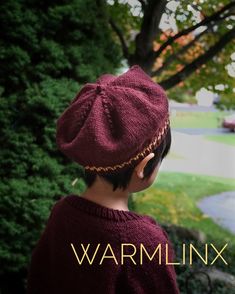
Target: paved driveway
[195, 154]
[221, 208]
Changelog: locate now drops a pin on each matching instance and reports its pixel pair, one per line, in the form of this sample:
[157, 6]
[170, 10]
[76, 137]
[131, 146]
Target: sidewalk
[200, 156]
[221, 208]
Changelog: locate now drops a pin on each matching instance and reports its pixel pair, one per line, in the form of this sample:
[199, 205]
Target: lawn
[189, 119]
[173, 197]
[228, 139]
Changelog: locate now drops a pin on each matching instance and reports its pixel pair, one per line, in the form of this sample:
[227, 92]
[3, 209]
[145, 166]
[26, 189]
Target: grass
[173, 155]
[189, 119]
[173, 199]
[228, 139]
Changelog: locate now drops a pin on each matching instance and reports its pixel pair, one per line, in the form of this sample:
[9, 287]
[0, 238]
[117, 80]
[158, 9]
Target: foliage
[172, 199]
[181, 95]
[185, 63]
[49, 49]
[34, 174]
[55, 39]
[190, 274]
[227, 95]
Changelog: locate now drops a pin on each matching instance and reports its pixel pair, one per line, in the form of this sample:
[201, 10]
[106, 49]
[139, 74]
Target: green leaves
[49, 49]
[54, 40]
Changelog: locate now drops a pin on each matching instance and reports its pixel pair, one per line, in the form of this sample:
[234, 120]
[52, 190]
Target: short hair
[123, 178]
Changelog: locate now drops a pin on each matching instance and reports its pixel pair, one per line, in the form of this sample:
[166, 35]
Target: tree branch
[184, 49]
[143, 4]
[195, 7]
[214, 17]
[121, 38]
[149, 27]
[174, 56]
[198, 62]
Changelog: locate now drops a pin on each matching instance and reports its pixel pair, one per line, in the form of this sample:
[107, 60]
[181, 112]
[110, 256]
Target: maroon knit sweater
[75, 222]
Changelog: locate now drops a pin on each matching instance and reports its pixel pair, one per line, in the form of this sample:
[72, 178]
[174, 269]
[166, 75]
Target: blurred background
[49, 49]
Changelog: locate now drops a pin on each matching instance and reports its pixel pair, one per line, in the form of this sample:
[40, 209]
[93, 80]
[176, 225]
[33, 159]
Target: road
[195, 154]
[205, 131]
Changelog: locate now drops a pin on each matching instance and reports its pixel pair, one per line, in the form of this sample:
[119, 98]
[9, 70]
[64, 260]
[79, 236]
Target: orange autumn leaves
[183, 58]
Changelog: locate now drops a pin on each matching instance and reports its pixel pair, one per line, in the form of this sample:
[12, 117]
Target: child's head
[118, 129]
[132, 177]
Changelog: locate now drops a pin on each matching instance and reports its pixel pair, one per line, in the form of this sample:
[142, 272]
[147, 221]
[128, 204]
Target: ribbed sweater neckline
[99, 210]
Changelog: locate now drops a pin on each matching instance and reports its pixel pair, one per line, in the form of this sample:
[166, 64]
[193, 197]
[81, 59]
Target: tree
[41, 39]
[191, 52]
[48, 50]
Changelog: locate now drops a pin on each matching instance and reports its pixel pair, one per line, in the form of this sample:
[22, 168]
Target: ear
[140, 167]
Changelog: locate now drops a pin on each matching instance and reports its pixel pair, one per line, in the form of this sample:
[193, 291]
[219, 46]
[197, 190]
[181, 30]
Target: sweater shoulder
[144, 228]
[147, 230]
[56, 210]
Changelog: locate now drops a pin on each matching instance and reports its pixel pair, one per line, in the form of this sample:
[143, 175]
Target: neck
[102, 193]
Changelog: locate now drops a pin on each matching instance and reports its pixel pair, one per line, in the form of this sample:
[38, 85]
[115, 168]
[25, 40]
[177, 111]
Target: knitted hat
[114, 123]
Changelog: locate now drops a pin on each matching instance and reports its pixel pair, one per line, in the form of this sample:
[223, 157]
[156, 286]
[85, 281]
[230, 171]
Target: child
[118, 130]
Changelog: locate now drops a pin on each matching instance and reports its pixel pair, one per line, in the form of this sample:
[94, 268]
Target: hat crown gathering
[114, 123]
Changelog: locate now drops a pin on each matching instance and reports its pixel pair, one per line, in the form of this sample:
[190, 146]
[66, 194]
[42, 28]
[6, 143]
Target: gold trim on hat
[156, 142]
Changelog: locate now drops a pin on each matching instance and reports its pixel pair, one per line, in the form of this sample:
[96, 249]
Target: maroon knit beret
[114, 123]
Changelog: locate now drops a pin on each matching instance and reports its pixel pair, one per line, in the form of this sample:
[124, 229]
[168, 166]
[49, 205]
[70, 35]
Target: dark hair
[122, 178]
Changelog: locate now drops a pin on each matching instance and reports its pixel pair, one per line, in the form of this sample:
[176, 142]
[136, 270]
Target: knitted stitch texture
[54, 267]
[114, 123]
